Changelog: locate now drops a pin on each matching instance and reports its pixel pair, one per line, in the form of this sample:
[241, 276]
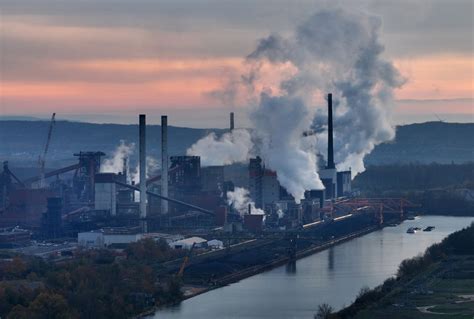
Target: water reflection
[331, 259]
[291, 267]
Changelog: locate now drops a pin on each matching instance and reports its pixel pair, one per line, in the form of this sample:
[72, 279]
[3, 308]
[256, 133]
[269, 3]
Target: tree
[49, 306]
[324, 311]
[15, 269]
[19, 312]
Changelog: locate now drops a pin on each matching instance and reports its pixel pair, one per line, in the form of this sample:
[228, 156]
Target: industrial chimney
[231, 121]
[142, 160]
[164, 163]
[330, 159]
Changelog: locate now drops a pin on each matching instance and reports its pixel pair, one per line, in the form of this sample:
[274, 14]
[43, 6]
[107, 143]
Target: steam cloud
[286, 81]
[125, 151]
[280, 123]
[240, 200]
[232, 147]
[340, 52]
[151, 166]
[115, 164]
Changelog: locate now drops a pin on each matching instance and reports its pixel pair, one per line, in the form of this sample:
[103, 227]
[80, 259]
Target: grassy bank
[437, 284]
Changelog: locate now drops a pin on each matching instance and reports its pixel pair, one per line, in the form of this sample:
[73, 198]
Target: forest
[95, 284]
[446, 189]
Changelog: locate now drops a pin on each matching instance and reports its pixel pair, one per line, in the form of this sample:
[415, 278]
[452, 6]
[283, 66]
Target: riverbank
[334, 276]
[191, 291]
[440, 284]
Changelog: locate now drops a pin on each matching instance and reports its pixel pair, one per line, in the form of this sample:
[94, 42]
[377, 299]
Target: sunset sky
[108, 60]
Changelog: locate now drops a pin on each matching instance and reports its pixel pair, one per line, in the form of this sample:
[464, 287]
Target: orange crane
[185, 262]
[42, 159]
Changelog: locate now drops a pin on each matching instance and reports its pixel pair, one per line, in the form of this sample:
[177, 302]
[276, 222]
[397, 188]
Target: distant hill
[20, 118]
[21, 141]
[430, 142]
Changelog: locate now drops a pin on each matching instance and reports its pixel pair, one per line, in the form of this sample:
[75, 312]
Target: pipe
[164, 163]
[330, 158]
[49, 174]
[142, 163]
[231, 121]
[167, 199]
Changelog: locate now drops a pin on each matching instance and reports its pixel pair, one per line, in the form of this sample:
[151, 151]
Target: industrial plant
[183, 201]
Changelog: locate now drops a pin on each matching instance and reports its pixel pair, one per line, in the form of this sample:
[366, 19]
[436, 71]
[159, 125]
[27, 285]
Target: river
[334, 276]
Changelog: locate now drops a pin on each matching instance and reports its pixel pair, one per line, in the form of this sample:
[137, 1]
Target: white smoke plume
[280, 213]
[279, 125]
[340, 52]
[152, 166]
[115, 163]
[287, 80]
[240, 200]
[231, 147]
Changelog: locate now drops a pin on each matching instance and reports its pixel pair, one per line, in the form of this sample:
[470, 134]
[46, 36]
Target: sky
[108, 60]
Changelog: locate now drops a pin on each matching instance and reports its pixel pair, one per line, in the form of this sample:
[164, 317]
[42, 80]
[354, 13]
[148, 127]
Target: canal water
[334, 276]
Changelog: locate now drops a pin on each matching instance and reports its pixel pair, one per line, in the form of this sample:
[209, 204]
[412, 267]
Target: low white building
[215, 244]
[92, 239]
[187, 243]
[102, 238]
[169, 238]
[105, 237]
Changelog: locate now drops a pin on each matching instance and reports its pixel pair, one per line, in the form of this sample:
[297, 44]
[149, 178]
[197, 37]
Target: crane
[185, 261]
[42, 159]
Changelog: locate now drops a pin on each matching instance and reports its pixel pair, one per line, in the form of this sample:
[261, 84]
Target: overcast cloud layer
[170, 54]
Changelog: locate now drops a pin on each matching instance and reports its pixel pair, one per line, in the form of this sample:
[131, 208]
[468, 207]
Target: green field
[444, 290]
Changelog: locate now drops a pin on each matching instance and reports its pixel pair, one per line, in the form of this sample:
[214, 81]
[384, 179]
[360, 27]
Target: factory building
[25, 207]
[237, 174]
[183, 196]
[185, 173]
[265, 190]
[215, 244]
[253, 222]
[169, 238]
[120, 236]
[344, 182]
[106, 193]
[108, 236]
[271, 189]
[187, 243]
[212, 178]
[10, 238]
[51, 221]
[255, 172]
[329, 178]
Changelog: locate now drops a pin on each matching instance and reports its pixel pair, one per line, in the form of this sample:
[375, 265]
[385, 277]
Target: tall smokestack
[164, 163]
[142, 159]
[330, 158]
[231, 121]
[125, 169]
